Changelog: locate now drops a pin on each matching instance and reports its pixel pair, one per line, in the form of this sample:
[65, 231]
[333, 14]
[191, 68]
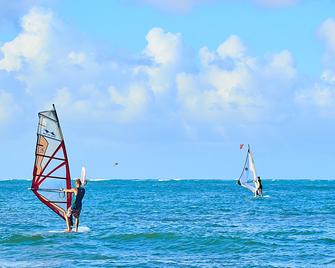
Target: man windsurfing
[75, 209]
[259, 187]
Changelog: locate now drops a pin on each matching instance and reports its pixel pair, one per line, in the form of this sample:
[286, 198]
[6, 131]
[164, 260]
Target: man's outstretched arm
[72, 190]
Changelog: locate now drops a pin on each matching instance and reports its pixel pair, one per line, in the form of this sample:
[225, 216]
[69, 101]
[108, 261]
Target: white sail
[246, 179]
[83, 176]
[252, 165]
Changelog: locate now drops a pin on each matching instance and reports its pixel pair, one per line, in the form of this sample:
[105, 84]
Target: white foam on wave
[81, 229]
[156, 179]
[261, 197]
[15, 179]
[167, 179]
[88, 180]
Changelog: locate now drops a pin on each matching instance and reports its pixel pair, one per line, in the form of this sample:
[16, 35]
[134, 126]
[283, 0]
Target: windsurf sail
[51, 172]
[83, 176]
[249, 175]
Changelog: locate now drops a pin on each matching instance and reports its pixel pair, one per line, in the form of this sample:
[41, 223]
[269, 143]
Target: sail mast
[68, 175]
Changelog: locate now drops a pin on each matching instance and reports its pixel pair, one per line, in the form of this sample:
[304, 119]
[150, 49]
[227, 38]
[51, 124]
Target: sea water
[168, 223]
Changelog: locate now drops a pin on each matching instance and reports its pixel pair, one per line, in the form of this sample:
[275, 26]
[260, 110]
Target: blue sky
[171, 88]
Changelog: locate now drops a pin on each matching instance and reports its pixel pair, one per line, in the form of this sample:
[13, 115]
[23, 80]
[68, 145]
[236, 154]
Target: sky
[171, 88]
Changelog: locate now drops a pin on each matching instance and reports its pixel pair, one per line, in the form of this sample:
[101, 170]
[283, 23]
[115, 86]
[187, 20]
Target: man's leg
[77, 223]
[71, 220]
[67, 223]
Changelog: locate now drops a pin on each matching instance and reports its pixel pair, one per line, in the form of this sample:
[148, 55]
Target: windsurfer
[75, 208]
[259, 187]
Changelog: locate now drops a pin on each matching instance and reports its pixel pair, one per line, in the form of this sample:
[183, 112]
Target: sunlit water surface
[186, 223]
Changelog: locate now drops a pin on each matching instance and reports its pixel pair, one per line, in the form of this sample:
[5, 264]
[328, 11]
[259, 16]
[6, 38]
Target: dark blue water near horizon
[186, 223]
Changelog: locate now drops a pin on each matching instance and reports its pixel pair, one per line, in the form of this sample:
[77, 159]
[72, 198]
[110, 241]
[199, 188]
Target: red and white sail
[51, 171]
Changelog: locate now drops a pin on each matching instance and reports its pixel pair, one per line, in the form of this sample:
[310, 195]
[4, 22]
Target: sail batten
[46, 136]
[49, 156]
[51, 171]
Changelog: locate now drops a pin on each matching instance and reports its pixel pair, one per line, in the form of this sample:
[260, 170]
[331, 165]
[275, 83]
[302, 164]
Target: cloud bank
[30, 44]
[320, 97]
[221, 87]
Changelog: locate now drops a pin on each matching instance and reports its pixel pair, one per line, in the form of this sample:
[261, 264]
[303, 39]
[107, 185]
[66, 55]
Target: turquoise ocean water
[184, 223]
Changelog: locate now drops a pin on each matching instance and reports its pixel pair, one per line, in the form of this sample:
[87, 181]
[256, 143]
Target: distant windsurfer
[259, 187]
[75, 209]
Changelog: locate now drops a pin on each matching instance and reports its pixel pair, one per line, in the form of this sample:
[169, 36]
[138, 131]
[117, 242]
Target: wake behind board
[81, 229]
[261, 196]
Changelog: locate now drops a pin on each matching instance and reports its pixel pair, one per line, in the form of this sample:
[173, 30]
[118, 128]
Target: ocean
[174, 223]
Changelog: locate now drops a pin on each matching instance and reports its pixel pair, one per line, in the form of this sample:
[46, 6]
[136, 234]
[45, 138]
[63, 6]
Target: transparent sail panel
[51, 171]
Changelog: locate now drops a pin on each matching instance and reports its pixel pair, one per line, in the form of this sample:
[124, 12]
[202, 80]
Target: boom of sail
[51, 171]
[249, 175]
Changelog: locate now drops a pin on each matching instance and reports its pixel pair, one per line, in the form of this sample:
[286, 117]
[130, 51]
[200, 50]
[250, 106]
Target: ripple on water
[22, 238]
[174, 224]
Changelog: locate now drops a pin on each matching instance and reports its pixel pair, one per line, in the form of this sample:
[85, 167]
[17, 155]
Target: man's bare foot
[68, 230]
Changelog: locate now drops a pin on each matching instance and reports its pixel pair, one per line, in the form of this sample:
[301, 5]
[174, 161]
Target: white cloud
[80, 92]
[163, 48]
[112, 104]
[77, 58]
[132, 104]
[328, 76]
[166, 51]
[62, 99]
[231, 48]
[242, 87]
[321, 96]
[327, 33]
[87, 84]
[30, 44]
[88, 103]
[281, 64]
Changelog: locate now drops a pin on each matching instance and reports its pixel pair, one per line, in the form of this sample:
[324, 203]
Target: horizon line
[182, 179]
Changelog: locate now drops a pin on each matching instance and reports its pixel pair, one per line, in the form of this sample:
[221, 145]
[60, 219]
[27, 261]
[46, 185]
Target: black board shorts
[73, 212]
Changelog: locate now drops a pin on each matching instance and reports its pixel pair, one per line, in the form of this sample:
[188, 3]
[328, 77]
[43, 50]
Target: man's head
[78, 183]
[259, 178]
